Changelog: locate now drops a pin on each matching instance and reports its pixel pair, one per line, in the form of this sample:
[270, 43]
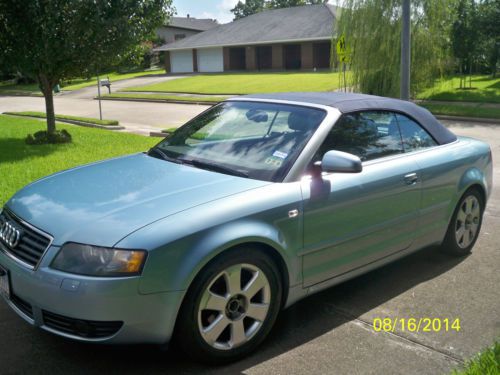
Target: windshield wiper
[215, 168]
[157, 151]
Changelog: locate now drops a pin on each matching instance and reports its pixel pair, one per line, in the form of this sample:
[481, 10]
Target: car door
[354, 219]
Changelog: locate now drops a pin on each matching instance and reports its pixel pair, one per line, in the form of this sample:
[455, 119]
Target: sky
[215, 9]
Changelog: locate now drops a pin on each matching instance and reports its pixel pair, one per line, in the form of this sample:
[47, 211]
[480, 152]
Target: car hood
[103, 202]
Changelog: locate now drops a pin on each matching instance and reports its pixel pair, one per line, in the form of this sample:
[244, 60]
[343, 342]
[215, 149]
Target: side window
[369, 135]
[413, 135]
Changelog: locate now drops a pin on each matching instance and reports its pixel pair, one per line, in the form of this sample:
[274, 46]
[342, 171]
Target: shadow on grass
[495, 86]
[482, 96]
[303, 322]
[15, 149]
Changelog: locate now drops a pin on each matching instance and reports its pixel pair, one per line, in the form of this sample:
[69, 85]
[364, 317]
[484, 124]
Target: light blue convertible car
[249, 207]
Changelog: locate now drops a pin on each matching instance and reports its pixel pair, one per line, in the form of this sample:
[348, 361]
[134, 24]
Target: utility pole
[405, 52]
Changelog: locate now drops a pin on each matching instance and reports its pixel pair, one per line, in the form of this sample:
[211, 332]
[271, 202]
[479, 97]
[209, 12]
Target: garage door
[181, 61]
[210, 60]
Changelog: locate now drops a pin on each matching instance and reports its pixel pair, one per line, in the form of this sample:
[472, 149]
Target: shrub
[42, 137]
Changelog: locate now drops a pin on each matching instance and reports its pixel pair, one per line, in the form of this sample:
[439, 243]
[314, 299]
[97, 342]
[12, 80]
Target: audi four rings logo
[10, 234]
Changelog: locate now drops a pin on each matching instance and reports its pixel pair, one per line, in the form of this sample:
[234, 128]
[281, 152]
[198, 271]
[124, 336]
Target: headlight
[99, 261]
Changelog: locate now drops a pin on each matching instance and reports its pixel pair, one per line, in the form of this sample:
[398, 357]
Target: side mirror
[341, 162]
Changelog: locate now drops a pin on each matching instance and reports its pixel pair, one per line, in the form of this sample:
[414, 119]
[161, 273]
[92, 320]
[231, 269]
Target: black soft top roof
[348, 102]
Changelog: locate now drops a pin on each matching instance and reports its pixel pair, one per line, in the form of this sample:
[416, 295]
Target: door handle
[411, 179]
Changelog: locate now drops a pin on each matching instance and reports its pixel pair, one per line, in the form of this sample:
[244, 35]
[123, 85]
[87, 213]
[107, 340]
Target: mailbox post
[102, 82]
[107, 83]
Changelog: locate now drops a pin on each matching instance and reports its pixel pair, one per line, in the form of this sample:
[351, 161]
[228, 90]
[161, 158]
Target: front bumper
[44, 296]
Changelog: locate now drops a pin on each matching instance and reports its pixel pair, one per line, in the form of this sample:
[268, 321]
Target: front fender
[181, 245]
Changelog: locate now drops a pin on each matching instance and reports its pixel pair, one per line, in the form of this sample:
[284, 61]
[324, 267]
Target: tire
[465, 224]
[221, 321]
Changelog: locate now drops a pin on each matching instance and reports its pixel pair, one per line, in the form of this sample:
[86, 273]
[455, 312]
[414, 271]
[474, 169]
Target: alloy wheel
[467, 222]
[234, 306]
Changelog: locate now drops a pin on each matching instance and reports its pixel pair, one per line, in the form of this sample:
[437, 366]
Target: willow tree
[372, 29]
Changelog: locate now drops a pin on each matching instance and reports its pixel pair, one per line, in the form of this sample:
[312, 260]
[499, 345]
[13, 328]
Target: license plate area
[4, 283]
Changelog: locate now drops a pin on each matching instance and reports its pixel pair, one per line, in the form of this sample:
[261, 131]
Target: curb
[158, 134]
[160, 101]
[74, 122]
[469, 119]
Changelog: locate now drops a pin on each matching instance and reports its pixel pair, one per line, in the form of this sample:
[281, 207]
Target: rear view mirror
[257, 115]
[341, 162]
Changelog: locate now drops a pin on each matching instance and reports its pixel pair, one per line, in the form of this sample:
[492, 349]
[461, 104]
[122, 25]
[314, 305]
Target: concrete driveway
[330, 332]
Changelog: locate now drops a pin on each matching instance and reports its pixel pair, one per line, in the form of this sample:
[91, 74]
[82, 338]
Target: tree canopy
[51, 40]
[248, 7]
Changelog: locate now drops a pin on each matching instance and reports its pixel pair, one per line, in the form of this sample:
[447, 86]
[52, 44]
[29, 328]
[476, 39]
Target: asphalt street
[327, 333]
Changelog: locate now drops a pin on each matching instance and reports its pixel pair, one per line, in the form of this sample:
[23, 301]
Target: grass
[485, 363]
[169, 130]
[177, 98]
[477, 110]
[484, 89]
[77, 84]
[247, 83]
[88, 120]
[21, 164]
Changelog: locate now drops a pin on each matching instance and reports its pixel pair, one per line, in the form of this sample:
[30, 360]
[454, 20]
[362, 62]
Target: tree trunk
[46, 86]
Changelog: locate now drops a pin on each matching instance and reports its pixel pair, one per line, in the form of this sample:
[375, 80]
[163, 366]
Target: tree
[489, 19]
[243, 9]
[275, 4]
[372, 29]
[464, 37]
[52, 40]
[248, 7]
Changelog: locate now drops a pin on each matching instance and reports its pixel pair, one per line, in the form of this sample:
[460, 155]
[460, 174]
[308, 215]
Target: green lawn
[484, 89]
[89, 120]
[182, 98]
[77, 84]
[20, 164]
[486, 363]
[247, 83]
[477, 110]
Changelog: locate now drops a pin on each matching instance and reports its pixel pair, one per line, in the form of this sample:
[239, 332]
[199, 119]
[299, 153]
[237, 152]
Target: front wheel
[231, 306]
[465, 224]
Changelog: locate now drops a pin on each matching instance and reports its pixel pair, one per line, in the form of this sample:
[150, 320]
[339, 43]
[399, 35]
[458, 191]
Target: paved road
[329, 332]
[136, 117]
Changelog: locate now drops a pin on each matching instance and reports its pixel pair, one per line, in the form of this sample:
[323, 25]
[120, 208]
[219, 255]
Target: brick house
[297, 38]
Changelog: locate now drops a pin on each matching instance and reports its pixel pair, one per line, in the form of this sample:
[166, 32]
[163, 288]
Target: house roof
[191, 23]
[302, 23]
[351, 102]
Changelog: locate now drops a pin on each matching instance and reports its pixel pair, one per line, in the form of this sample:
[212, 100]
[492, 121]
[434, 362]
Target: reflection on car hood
[103, 202]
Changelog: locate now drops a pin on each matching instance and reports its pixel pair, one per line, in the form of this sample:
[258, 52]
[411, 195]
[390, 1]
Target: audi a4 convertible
[249, 207]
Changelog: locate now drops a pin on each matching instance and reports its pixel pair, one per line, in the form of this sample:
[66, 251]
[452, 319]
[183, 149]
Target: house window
[179, 36]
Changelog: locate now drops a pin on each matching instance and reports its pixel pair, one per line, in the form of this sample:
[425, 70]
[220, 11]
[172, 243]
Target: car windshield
[248, 139]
